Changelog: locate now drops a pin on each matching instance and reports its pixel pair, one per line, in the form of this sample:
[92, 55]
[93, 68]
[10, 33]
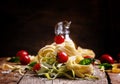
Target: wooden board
[6, 77]
[30, 78]
[9, 78]
[114, 78]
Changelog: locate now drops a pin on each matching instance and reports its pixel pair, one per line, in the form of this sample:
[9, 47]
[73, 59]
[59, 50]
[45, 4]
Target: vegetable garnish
[62, 57]
[32, 64]
[86, 61]
[21, 57]
[55, 70]
[13, 59]
[59, 39]
[24, 60]
[22, 53]
[36, 67]
[105, 66]
[106, 58]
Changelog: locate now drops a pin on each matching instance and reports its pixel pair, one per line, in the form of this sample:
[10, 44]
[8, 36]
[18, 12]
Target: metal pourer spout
[66, 27]
[62, 28]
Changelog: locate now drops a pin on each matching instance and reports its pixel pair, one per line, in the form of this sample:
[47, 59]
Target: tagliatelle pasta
[62, 58]
[75, 56]
[48, 50]
[80, 70]
[86, 52]
[68, 47]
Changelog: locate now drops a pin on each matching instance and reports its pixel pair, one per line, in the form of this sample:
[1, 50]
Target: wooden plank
[30, 78]
[8, 77]
[115, 78]
[98, 73]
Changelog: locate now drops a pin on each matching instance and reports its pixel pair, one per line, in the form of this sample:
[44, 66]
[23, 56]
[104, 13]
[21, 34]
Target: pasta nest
[86, 52]
[47, 51]
[80, 70]
[68, 47]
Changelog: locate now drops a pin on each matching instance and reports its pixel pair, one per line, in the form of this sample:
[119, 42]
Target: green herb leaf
[86, 61]
[106, 66]
[32, 64]
[14, 59]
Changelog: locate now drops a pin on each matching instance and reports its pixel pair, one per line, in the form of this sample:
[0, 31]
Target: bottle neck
[67, 37]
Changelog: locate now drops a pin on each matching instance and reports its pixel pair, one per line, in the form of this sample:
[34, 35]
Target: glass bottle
[68, 40]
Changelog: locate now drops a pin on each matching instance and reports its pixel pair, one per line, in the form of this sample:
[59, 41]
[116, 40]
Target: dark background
[29, 24]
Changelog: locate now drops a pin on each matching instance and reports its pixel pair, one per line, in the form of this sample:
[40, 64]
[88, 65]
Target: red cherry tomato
[24, 60]
[22, 53]
[87, 56]
[36, 67]
[59, 39]
[106, 58]
[62, 57]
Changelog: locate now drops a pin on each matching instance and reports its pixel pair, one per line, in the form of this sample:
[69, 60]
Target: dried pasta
[80, 70]
[75, 56]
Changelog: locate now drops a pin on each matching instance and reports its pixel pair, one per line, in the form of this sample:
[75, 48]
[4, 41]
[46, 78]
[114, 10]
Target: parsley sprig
[87, 61]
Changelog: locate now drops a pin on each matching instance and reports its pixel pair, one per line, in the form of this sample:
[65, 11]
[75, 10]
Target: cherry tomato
[24, 60]
[87, 56]
[62, 57]
[59, 39]
[22, 53]
[93, 60]
[106, 58]
[36, 67]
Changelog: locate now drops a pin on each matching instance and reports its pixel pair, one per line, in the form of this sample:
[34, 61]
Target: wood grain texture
[29, 78]
[9, 78]
[6, 77]
[115, 78]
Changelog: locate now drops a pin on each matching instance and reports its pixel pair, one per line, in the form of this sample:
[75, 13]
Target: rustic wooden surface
[30, 78]
[114, 78]
[6, 77]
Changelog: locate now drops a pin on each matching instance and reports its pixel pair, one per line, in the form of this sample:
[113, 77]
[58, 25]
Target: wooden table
[30, 78]
[114, 78]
